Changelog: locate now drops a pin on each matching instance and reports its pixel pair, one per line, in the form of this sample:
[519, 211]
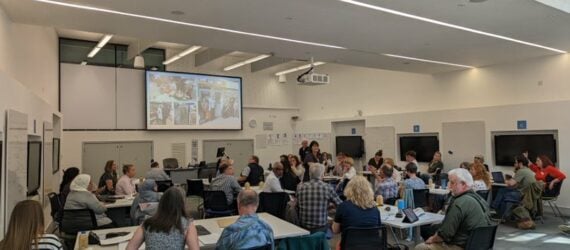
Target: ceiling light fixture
[181, 54]
[306, 66]
[99, 46]
[429, 61]
[562, 5]
[83, 7]
[248, 61]
[399, 13]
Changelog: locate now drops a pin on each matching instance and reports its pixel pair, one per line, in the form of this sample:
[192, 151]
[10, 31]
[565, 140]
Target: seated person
[145, 203]
[467, 211]
[385, 185]
[26, 229]
[272, 185]
[226, 182]
[248, 231]
[337, 170]
[348, 173]
[253, 173]
[524, 178]
[169, 228]
[156, 173]
[413, 182]
[359, 209]
[313, 198]
[81, 198]
[481, 178]
[435, 164]
[547, 172]
[108, 180]
[68, 176]
[125, 185]
[481, 159]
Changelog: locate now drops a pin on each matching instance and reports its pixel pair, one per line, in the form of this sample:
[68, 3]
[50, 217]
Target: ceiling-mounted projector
[313, 79]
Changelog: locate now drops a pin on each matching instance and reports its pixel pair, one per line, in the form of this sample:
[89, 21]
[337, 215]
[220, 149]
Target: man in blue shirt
[248, 231]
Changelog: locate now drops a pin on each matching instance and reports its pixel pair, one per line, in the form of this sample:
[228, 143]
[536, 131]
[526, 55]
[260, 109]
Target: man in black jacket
[253, 173]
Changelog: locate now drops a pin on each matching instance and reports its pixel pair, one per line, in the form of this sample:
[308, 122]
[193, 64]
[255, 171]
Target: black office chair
[170, 163]
[215, 204]
[550, 197]
[483, 193]
[482, 238]
[421, 197]
[266, 247]
[195, 187]
[364, 238]
[74, 221]
[273, 203]
[162, 186]
[56, 208]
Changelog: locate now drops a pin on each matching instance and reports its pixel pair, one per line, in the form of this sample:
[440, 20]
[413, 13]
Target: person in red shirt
[545, 171]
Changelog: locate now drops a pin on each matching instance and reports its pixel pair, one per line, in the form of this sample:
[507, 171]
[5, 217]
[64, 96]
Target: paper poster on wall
[285, 139]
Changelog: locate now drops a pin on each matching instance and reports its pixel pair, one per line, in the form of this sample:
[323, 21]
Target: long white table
[126, 202]
[389, 219]
[281, 229]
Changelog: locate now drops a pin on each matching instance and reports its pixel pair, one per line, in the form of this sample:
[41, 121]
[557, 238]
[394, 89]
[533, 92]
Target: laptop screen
[498, 177]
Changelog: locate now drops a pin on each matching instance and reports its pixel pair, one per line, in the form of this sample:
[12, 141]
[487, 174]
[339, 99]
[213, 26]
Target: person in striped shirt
[26, 229]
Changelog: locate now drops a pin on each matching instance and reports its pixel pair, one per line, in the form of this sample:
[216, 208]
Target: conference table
[388, 217]
[119, 211]
[257, 189]
[281, 229]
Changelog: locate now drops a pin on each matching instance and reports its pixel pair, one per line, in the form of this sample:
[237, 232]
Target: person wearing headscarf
[146, 202]
[81, 198]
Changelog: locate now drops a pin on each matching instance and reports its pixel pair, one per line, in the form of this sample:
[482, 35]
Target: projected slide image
[195, 101]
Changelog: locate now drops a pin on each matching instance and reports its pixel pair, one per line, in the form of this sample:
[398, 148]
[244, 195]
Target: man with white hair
[313, 200]
[466, 211]
[304, 149]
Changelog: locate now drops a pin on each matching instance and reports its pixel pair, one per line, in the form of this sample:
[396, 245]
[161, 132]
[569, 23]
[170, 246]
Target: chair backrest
[315, 241]
[421, 197]
[483, 193]
[75, 220]
[195, 187]
[273, 203]
[371, 238]
[55, 204]
[207, 172]
[266, 247]
[162, 186]
[170, 163]
[215, 200]
[555, 191]
[482, 238]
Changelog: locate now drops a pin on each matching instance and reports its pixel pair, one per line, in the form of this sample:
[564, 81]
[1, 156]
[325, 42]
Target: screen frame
[192, 129]
[554, 133]
[55, 155]
[33, 192]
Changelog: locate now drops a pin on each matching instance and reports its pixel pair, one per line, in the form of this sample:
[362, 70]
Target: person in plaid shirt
[313, 200]
[385, 184]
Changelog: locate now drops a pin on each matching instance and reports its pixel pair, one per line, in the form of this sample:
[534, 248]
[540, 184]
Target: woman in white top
[348, 168]
[481, 178]
[296, 166]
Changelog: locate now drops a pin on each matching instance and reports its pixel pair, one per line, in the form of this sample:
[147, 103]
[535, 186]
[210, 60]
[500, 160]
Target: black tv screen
[506, 147]
[352, 146]
[425, 147]
[34, 167]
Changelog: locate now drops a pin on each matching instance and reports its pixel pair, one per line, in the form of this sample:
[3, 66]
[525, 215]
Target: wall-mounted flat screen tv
[506, 147]
[424, 146]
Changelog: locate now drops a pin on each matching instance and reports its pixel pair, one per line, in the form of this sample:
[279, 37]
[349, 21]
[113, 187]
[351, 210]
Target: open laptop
[498, 177]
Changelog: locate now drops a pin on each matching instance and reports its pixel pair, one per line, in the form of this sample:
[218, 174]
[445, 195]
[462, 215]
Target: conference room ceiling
[366, 34]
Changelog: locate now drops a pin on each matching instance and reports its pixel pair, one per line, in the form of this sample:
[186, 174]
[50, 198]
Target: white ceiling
[364, 32]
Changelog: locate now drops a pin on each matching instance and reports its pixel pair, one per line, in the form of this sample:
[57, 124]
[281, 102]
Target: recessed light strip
[181, 54]
[306, 66]
[78, 6]
[99, 46]
[429, 61]
[399, 13]
[248, 61]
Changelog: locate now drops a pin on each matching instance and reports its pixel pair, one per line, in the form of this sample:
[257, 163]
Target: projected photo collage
[187, 101]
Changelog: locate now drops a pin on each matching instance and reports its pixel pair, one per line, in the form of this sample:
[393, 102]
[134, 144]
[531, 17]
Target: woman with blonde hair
[26, 229]
[359, 208]
[481, 178]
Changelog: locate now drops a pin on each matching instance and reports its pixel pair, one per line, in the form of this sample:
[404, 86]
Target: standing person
[273, 185]
[304, 150]
[481, 178]
[170, 228]
[108, 180]
[253, 173]
[435, 164]
[547, 172]
[314, 157]
[377, 160]
[125, 185]
[26, 229]
[467, 211]
[248, 231]
[156, 173]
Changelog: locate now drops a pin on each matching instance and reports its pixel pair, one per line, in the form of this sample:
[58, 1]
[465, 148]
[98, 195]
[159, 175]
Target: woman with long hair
[169, 228]
[26, 229]
[359, 208]
[547, 172]
[68, 176]
[108, 180]
[296, 166]
[481, 178]
[314, 156]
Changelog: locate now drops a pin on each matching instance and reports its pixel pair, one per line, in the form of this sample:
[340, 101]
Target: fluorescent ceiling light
[399, 13]
[83, 7]
[429, 61]
[181, 54]
[563, 5]
[248, 61]
[99, 45]
[306, 66]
